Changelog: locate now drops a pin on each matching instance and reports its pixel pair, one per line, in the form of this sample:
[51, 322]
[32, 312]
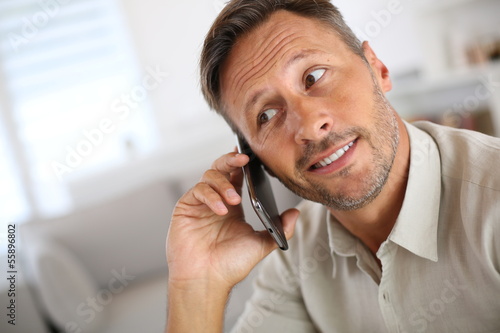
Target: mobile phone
[261, 194]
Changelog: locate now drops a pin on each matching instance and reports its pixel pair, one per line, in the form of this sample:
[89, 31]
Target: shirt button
[386, 297]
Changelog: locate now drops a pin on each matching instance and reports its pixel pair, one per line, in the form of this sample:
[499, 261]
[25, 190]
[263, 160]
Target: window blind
[66, 66]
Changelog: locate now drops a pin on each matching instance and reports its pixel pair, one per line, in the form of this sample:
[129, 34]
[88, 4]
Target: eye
[265, 116]
[313, 77]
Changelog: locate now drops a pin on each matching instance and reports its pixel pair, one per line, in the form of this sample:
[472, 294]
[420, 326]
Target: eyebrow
[293, 59]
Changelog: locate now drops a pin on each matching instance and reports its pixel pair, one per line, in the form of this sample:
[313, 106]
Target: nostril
[312, 127]
[305, 142]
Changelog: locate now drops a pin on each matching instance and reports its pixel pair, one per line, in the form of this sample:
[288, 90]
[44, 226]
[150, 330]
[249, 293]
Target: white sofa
[103, 269]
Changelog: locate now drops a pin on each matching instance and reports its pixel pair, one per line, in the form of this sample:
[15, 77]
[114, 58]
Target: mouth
[326, 161]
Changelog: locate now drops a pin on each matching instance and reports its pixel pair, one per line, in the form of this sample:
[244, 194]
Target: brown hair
[240, 17]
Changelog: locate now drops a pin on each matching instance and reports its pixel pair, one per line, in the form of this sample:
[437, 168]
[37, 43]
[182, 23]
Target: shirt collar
[417, 223]
[341, 241]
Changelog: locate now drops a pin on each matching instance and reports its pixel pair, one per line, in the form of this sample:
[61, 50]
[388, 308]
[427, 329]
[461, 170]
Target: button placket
[386, 256]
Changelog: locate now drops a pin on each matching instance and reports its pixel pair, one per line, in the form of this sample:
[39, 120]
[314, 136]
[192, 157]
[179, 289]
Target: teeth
[335, 156]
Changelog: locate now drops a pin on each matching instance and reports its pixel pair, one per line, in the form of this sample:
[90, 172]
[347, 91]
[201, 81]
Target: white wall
[170, 33]
[389, 27]
[167, 35]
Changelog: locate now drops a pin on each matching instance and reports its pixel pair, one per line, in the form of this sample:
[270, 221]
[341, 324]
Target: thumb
[289, 220]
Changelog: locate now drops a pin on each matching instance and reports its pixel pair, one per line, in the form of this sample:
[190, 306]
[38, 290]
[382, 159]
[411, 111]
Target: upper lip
[328, 153]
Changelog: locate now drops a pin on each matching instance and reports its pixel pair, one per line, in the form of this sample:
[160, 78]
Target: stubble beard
[386, 135]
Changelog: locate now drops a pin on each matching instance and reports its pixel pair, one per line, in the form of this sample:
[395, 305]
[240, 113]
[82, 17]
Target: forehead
[269, 47]
[281, 29]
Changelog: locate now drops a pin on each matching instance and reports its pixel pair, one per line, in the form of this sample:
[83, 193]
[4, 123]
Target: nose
[312, 123]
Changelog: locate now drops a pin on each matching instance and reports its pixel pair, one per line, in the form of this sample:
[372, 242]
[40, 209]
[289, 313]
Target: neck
[373, 223]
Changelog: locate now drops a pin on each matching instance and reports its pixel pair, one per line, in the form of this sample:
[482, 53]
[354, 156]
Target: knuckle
[214, 176]
[211, 173]
[200, 188]
[203, 187]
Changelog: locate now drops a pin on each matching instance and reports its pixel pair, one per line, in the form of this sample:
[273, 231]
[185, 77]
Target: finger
[223, 186]
[205, 194]
[236, 179]
[229, 163]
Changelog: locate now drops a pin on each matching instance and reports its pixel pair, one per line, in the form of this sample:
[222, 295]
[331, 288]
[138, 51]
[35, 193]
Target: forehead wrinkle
[279, 26]
[270, 33]
[266, 59]
[250, 59]
[296, 57]
[255, 96]
[264, 67]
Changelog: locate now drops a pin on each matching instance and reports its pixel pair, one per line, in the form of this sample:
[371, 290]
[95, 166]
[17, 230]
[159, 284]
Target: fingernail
[220, 205]
[232, 194]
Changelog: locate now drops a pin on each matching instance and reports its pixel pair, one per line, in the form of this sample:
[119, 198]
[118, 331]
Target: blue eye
[265, 116]
[313, 77]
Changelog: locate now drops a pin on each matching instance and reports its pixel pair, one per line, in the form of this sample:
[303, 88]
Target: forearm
[196, 307]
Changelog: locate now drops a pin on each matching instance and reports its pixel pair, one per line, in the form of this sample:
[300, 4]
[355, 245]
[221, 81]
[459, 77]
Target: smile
[333, 157]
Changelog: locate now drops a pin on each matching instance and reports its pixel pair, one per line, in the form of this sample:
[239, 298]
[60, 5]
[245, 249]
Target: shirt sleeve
[276, 304]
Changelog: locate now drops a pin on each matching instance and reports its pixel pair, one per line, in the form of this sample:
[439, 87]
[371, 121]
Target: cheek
[355, 91]
[355, 104]
[280, 160]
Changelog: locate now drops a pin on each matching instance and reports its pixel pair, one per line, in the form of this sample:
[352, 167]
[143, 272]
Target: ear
[379, 69]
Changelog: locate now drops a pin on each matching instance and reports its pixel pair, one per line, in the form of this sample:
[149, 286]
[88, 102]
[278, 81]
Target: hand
[209, 239]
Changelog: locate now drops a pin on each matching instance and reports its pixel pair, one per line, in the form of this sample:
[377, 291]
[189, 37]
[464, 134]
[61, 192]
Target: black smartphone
[261, 194]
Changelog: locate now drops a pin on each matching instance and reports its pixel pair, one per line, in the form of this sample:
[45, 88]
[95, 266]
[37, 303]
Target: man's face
[312, 110]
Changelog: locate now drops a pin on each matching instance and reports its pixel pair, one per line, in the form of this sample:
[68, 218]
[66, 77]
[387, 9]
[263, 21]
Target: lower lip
[337, 164]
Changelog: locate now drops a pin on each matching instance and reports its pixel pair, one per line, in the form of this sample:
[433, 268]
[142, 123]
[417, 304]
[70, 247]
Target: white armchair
[103, 269]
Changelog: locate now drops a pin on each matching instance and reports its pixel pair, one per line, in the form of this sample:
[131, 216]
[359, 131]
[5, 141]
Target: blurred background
[103, 126]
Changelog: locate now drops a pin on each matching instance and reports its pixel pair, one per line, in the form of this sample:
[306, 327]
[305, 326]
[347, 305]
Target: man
[400, 227]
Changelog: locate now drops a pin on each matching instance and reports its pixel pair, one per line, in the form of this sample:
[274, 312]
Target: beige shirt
[440, 265]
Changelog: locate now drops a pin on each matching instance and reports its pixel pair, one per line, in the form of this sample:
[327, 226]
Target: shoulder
[468, 156]
[470, 183]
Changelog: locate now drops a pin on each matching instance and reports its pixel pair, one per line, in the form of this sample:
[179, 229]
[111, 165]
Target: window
[73, 100]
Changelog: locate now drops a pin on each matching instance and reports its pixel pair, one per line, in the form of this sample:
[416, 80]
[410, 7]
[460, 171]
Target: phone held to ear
[261, 194]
